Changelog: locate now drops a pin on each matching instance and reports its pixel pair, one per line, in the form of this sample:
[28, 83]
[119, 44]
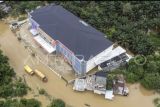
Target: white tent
[48, 47]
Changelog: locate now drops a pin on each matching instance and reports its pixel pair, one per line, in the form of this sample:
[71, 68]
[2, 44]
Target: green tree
[8, 87]
[151, 81]
[57, 103]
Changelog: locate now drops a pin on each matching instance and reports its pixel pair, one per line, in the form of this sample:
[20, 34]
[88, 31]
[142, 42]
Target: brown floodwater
[56, 87]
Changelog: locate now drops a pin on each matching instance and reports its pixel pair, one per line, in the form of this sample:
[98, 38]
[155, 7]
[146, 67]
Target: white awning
[33, 31]
[129, 57]
[117, 51]
[48, 47]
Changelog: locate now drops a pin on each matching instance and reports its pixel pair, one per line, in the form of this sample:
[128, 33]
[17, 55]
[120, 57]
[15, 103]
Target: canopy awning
[117, 51]
[48, 47]
[129, 57]
[33, 31]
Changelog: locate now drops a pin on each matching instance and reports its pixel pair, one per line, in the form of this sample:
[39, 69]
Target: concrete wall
[77, 65]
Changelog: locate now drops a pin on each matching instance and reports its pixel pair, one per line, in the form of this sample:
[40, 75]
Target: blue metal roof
[75, 34]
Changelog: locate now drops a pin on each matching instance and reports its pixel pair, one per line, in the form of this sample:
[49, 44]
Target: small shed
[79, 85]
[119, 86]
[109, 95]
[100, 80]
[101, 77]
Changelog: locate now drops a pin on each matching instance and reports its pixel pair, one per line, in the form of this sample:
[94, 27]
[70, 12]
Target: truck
[28, 70]
[41, 75]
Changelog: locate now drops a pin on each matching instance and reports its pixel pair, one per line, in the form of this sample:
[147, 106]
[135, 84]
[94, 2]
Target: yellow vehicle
[41, 75]
[28, 70]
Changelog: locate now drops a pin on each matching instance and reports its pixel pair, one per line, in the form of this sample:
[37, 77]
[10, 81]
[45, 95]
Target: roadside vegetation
[10, 85]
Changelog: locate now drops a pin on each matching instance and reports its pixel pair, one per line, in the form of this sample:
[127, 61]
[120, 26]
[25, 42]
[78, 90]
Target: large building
[83, 46]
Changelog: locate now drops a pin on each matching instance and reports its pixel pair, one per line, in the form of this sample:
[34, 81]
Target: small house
[119, 86]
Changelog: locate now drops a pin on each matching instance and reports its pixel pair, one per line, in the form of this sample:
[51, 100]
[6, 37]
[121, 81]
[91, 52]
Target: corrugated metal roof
[74, 33]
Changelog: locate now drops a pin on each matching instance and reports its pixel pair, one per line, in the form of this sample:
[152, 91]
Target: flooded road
[56, 87]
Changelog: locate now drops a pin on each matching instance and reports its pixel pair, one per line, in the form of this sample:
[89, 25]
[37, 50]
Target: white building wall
[91, 63]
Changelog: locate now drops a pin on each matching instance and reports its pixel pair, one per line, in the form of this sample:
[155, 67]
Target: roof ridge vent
[84, 23]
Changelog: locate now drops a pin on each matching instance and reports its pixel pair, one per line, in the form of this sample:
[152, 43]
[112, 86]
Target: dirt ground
[56, 87]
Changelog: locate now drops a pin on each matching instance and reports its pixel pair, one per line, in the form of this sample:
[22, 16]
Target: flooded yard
[56, 87]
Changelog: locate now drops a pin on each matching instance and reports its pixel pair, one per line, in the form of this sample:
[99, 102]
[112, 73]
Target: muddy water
[3, 28]
[139, 97]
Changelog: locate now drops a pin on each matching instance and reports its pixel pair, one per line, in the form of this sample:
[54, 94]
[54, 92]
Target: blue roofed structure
[78, 36]
[71, 36]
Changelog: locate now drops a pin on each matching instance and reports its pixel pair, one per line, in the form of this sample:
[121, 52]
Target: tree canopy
[20, 103]
[57, 103]
[10, 86]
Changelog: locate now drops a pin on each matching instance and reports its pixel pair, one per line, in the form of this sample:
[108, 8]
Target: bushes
[57, 103]
[151, 81]
[20, 89]
[131, 77]
[42, 91]
[148, 74]
[21, 6]
[109, 80]
[20, 103]
[2, 14]
[13, 89]
[30, 103]
[134, 72]
[156, 102]
[8, 87]
[22, 18]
